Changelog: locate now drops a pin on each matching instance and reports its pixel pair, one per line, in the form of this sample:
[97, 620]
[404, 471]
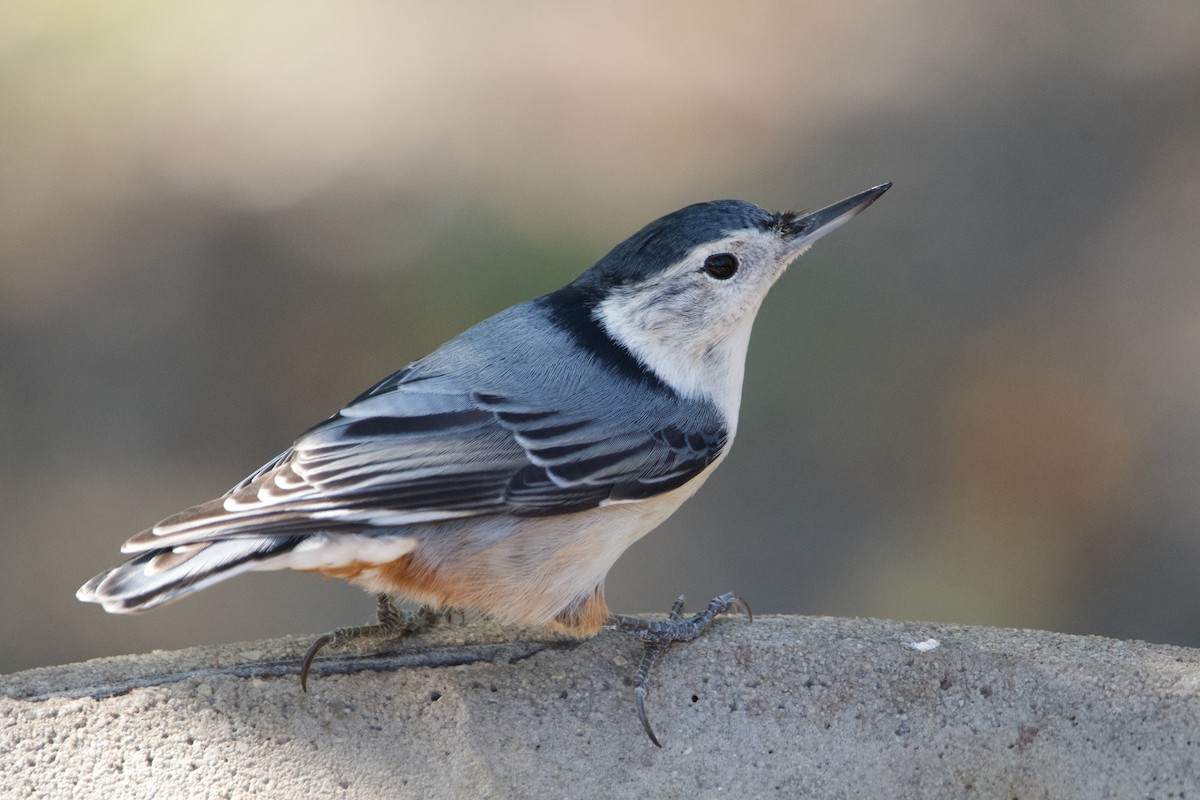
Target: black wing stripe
[550, 431]
[559, 453]
[531, 493]
[580, 471]
[522, 417]
[372, 427]
[643, 490]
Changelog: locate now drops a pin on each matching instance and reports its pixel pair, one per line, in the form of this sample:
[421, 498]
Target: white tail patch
[158, 577]
[336, 550]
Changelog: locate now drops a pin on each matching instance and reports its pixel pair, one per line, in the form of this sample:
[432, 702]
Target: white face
[691, 322]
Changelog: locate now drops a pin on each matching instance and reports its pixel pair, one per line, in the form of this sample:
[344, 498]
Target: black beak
[802, 231]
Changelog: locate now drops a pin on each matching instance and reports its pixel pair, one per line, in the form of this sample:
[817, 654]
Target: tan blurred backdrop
[980, 402]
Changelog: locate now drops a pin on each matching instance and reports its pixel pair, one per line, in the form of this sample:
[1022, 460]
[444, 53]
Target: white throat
[712, 372]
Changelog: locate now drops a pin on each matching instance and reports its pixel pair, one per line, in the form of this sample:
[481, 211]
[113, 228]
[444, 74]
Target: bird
[505, 472]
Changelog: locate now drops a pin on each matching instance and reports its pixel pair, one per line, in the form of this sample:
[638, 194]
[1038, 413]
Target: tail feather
[155, 577]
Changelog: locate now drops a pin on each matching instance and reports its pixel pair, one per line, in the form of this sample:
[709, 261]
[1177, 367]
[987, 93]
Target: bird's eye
[721, 266]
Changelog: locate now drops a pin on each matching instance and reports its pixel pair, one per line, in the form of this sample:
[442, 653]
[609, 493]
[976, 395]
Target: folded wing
[426, 448]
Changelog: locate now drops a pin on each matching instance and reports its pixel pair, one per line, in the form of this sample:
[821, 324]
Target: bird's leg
[392, 624]
[659, 634]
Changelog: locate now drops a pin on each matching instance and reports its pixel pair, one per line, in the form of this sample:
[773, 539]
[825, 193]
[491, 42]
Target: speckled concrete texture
[781, 707]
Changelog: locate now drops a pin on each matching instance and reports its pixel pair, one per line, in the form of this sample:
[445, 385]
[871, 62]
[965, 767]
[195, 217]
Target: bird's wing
[422, 449]
[578, 461]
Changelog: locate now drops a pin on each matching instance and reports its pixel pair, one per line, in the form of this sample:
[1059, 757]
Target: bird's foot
[659, 634]
[392, 624]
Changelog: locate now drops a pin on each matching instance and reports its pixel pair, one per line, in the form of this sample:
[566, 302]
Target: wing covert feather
[422, 447]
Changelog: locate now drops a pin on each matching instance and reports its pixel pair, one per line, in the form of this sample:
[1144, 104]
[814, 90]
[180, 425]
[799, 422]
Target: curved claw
[391, 623]
[639, 695]
[657, 635]
[730, 602]
[739, 604]
[321, 641]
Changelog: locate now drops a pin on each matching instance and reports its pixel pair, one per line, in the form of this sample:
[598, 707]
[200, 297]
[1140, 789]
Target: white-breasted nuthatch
[509, 469]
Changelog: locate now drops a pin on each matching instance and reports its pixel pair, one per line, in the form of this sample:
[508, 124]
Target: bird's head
[681, 294]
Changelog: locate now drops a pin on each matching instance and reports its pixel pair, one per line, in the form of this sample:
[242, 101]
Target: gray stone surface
[782, 707]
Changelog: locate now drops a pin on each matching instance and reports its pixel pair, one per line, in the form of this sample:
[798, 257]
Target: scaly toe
[392, 624]
[659, 634]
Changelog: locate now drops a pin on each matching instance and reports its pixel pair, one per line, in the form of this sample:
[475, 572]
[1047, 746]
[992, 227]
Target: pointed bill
[807, 228]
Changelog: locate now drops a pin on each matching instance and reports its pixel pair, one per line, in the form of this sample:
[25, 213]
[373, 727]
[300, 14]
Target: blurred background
[979, 402]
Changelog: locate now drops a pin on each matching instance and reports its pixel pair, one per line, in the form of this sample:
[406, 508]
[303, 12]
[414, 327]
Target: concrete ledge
[785, 706]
